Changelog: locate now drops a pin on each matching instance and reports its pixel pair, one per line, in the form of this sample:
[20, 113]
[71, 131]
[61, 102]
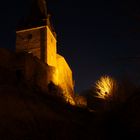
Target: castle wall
[51, 48]
[40, 42]
[38, 73]
[65, 80]
[29, 41]
[24, 67]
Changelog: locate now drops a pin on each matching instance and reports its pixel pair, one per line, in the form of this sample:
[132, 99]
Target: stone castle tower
[36, 36]
[40, 41]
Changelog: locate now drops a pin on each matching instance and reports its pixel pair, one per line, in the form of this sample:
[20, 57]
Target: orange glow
[59, 79]
[81, 101]
[55, 76]
[106, 87]
[43, 46]
[64, 76]
[68, 98]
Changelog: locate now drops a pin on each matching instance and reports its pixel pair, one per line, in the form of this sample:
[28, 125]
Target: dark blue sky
[96, 37]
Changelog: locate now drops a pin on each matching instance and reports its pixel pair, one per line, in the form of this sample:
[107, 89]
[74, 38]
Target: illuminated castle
[37, 37]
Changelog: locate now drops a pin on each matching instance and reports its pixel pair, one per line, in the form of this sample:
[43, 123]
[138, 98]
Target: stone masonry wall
[40, 42]
[65, 78]
[51, 48]
[29, 41]
[38, 73]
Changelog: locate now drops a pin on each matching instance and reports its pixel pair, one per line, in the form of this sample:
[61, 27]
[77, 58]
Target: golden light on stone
[106, 87]
[69, 98]
[41, 42]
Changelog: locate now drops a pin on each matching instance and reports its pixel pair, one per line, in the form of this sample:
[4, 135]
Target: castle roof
[36, 16]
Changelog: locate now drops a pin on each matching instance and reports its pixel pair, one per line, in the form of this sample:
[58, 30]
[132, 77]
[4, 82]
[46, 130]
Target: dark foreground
[28, 115]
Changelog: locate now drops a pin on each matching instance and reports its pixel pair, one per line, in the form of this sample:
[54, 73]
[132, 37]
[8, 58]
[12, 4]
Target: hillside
[27, 112]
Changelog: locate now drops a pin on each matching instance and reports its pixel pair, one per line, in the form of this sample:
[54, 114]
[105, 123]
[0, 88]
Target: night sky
[96, 37]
